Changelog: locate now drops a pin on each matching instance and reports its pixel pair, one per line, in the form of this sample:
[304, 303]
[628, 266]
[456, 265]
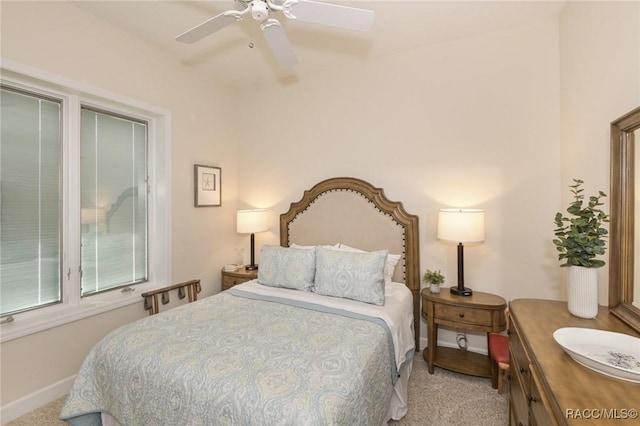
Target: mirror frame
[622, 227]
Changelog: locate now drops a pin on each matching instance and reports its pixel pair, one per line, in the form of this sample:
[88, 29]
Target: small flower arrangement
[434, 279]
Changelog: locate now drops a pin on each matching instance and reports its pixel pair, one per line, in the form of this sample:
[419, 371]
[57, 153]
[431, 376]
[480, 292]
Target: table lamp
[250, 222]
[461, 226]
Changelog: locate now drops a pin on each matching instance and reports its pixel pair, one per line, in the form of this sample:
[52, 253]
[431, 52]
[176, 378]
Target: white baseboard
[26, 404]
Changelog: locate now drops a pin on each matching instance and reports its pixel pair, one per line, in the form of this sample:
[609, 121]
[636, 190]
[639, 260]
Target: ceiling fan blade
[210, 26]
[333, 15]
[279, 43]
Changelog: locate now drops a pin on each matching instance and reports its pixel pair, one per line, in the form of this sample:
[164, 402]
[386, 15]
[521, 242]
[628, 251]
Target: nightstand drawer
[232, 278]
[229, 282]
[462, 314]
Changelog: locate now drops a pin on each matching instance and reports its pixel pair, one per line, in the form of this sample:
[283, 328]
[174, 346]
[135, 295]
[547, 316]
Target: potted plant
[580, 238]
[434, 279]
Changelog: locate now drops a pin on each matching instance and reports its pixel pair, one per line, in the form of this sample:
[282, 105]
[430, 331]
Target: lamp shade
[251, 221]
[461, 225]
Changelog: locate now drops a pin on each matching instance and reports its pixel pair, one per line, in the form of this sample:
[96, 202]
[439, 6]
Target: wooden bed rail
[151, 297]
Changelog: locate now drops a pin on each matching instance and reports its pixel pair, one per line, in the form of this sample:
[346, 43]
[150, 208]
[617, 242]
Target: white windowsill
[27, 323]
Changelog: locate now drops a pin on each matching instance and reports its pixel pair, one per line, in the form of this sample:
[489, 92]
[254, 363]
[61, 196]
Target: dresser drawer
[520, 378]
[540, 409]
[460, 314]
[518, 353]
[518, 393]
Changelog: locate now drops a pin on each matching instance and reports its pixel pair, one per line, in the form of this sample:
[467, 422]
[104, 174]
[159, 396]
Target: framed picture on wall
[208, 185]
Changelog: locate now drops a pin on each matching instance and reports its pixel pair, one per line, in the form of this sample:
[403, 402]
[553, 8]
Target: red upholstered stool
[499, 352]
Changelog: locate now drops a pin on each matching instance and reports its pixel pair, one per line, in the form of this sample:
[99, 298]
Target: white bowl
[615, 355]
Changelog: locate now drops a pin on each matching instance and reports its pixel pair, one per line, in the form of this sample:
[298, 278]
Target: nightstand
[480, 312]
[231, 278]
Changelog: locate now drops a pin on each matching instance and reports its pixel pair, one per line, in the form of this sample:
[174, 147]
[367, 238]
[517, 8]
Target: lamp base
[464, 291]
[251, 267]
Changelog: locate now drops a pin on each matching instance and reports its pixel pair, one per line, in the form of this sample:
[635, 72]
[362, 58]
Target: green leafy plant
[433, 277]
[581, 237]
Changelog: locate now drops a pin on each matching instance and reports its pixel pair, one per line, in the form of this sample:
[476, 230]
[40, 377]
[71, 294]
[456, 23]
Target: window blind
[30, 201]
[113, 200]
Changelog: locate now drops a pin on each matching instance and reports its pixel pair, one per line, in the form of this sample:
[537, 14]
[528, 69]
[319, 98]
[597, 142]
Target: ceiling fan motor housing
[259, 10]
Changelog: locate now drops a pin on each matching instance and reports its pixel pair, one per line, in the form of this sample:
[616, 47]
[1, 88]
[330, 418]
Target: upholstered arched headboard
[351, 211]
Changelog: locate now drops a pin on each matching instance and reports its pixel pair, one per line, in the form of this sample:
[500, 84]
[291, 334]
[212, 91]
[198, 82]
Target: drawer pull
[461, 314]
[523, 370]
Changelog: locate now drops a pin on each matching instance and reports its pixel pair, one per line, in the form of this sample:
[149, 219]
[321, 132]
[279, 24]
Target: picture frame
[207, 186]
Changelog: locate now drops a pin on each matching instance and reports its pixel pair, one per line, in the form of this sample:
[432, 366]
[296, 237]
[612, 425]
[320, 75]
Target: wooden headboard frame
[378, 200]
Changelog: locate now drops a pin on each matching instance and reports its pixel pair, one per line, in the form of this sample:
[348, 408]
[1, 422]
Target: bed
[324, 336]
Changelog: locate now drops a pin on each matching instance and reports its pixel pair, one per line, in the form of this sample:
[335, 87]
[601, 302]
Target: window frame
[74, 95]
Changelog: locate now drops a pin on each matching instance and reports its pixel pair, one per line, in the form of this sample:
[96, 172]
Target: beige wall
[500, 121]
[600, 81]
[60, 38]
[469, 123]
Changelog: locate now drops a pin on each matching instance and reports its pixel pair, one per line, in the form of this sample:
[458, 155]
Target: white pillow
[356, 275]
[297, 246]
[287, 267]
[389, 267]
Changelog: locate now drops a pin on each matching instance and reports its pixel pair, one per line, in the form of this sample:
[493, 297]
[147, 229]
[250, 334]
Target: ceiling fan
[334, 15]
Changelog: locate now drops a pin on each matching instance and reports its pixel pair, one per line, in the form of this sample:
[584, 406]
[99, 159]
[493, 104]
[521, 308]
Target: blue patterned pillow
[352, 275]
[287, 267]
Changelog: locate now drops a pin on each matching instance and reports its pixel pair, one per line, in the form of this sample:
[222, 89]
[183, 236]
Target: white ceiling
[227, 57]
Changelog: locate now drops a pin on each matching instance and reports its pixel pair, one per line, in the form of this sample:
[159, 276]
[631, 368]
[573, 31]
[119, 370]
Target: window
[30, 147]
[114, 208]
[83, 197]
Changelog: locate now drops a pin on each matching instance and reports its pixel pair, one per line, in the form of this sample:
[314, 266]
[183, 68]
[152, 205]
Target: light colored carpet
[445, 398]
[441, 399]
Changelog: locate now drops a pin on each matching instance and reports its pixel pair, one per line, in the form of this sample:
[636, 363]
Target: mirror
[635, 295]
[624, 268]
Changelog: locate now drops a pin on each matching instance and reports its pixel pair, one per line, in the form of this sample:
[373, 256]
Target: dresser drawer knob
[523, 370]
[461, 314]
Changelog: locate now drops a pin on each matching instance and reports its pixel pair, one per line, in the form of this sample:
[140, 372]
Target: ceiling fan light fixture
[259, 10]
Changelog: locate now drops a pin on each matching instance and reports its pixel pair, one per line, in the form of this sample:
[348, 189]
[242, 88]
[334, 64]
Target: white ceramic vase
[434, 288]
[582, 297]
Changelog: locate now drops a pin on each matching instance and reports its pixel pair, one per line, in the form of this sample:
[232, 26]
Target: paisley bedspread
[230, 359]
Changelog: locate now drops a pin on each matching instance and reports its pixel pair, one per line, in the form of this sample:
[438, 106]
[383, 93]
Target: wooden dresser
[547, 387]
